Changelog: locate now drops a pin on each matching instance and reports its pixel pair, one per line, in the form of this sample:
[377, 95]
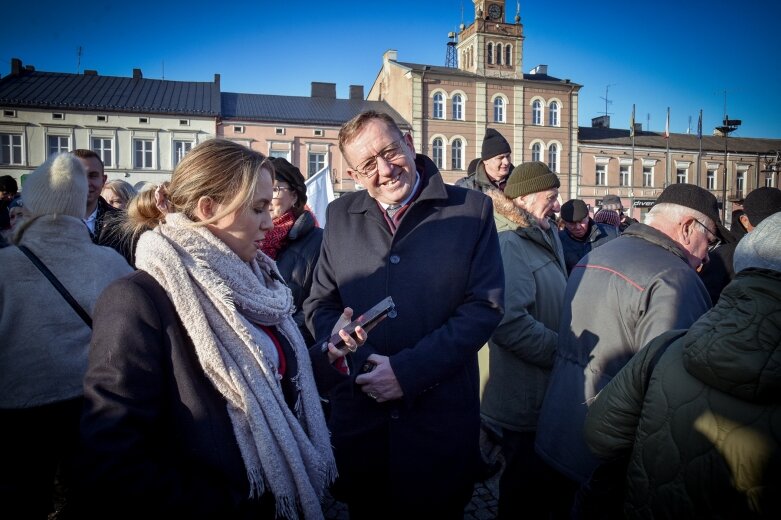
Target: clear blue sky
[683, 54]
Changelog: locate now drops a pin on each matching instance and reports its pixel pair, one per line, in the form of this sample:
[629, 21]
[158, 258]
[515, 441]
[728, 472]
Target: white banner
[319, 192]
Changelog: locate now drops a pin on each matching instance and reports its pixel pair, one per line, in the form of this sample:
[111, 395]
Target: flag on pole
[632, 122]
[699, 126]
[667, 125]
[319, 192]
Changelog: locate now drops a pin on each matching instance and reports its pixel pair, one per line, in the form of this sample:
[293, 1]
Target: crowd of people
[169, 352]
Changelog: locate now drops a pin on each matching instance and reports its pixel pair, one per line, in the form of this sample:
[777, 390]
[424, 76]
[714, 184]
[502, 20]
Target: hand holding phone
[367, 321]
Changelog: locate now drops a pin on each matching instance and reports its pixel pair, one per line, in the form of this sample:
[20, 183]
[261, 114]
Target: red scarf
[276, 239]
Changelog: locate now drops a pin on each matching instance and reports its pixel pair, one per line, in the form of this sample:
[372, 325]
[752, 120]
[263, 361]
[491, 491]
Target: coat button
[395, 259]
[394, 414]
[392, 313]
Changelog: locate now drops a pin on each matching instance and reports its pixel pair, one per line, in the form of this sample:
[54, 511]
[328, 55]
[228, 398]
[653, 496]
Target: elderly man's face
[389, 159]
[497, 167]
[540, 204]
[578, 229]
[696, 237]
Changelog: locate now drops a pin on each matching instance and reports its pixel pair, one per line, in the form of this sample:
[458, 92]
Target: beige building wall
[117, 132]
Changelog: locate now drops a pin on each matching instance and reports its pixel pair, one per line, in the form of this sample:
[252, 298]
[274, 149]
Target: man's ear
[354, 176]
[205, 208]
[410, 143]
[687, 229]
[746, 222]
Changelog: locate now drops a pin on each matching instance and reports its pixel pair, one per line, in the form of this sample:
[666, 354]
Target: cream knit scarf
[218, 298]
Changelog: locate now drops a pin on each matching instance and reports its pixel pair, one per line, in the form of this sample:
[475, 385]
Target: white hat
[57, 187]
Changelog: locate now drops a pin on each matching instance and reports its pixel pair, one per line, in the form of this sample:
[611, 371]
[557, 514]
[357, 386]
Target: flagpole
[667, 161]
[699, 157]
[632, 174]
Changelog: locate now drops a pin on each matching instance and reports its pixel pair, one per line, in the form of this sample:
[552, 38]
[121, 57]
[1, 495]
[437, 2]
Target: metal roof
[710, 143]
[450, 71]
[300, 109]
[53, 90]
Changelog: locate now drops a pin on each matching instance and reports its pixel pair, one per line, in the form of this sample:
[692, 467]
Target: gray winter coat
[618, 298]
[522, 347]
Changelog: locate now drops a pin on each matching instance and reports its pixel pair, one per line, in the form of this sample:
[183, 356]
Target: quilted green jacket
[706, 434]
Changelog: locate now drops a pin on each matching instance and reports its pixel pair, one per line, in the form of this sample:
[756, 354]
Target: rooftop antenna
[607, 101]
[689, 128]
[648, 122]
[451, 58]
[78, 62]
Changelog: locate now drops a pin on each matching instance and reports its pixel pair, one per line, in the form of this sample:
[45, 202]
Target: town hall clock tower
[490, 46]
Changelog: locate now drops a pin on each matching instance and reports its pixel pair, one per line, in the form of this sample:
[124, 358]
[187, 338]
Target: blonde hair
[222, 170]
[124, 190]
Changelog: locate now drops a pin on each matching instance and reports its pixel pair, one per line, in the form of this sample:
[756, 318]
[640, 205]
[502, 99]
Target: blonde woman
[201, 395]
[118, 193]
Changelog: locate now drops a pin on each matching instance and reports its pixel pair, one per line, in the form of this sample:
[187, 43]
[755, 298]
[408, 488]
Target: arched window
[456, 155]
[490, 53]
[498, 53]
[553, 157]
[458, 107]
[536, 151]
[537, 112]
[499, 110]
[553, 114]
[436, 151]
[508, 55]
[439, 106]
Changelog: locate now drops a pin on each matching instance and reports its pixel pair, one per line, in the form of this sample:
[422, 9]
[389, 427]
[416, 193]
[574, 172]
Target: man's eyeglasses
[715, 241]
[389, 154]
[279, 189]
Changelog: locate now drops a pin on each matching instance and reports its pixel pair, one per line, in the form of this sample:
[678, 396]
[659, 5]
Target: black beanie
[286, 172]
[530, 177]
[761, 203]
[494, 144]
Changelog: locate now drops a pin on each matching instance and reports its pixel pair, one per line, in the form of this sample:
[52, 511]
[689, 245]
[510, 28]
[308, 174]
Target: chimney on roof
[16, 66]
[323, 90]
[137, 74]
[217, 81]
[90, 72]
[540, 69]
[356, 92]
[638, 128]
[600, 122]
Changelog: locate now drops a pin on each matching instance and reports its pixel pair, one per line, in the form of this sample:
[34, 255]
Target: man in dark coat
[406, 434]
[581, 234]
[613, 202]
[101, 218]
[493, 168]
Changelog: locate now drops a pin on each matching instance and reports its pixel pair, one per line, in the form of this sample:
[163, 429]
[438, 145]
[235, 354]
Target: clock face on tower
[494, 11]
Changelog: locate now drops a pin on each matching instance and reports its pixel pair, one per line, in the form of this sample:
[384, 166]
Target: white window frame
[712, 178]
[648, 173]
[11, 147]
[553, 112]
[106, 153]
[537, 105]
[457, 147]
[741, 174]
[438, 151]
[313, 159]
[536, 150]
[457, 106]
[601, 171]
[681, 175]
[438, 105]
[57, 143]
[147, 151]
[624, 174]
[180, 148]
[500, 109]
[553, 156]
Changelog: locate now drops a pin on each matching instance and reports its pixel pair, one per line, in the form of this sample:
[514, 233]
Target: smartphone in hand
[367, 321]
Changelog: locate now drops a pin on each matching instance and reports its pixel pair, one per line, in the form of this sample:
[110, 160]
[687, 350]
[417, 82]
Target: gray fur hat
[761, 247]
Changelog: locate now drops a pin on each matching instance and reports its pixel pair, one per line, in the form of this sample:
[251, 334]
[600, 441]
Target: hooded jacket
[522, 347]
[478, 180]
[618, 298]
[706, 435]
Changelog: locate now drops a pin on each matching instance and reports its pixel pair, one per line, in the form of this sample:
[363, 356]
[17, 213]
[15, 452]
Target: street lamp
[729, 126]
